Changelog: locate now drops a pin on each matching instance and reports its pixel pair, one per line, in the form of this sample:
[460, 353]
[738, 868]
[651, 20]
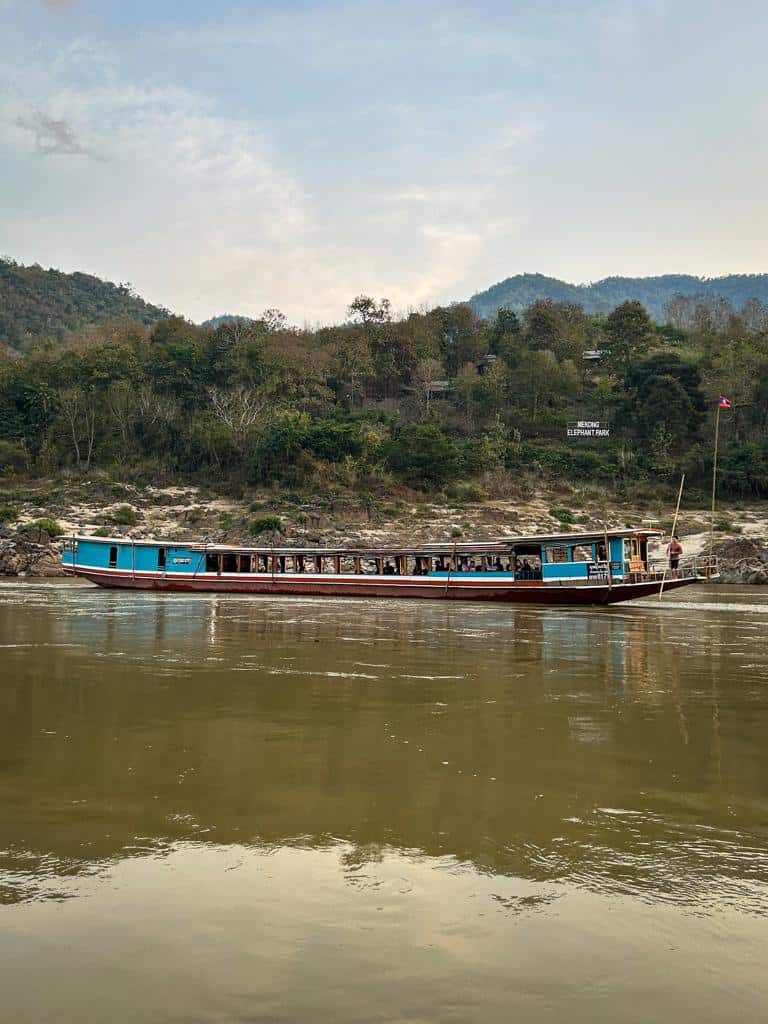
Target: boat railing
[700, 566]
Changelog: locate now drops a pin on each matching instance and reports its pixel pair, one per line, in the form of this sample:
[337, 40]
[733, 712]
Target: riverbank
[32, 512]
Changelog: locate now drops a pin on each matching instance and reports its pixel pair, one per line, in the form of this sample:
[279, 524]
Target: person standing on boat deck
[674, 551]
[389, 569]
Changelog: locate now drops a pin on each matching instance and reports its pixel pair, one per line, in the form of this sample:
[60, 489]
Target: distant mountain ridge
[38, 303]
[227, 318]
[520, 291]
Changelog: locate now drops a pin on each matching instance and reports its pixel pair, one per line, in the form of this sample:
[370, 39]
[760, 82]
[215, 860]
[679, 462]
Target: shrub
[466, 492]
[8, 514]
[102, 532]
[562, 461]
[13, 457]
[49, 526]
[724, 524]
[563, 516]
[286, 448]
[124, 516]
[422, 455]
[457, 531]
[265, 524]
[744, 470]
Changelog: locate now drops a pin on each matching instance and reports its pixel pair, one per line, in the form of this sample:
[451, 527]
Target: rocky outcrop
[742, 560]
[29, 552]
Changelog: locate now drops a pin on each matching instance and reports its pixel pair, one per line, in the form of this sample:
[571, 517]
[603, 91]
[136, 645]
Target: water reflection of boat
[564, 568]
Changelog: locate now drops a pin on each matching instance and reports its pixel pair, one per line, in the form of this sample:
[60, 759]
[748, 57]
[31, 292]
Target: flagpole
[714, 485]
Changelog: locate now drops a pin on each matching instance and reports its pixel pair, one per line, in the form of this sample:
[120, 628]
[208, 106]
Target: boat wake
[702, 606]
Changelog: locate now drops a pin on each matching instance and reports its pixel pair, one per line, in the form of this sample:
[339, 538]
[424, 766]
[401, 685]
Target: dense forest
[437, 401]
[656, 293]
[37, 303]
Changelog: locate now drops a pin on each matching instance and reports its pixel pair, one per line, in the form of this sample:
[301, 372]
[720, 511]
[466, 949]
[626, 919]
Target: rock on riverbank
[743, 560]
[29, 551]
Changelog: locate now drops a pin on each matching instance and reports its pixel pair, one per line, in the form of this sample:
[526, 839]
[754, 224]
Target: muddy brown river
[230, 809]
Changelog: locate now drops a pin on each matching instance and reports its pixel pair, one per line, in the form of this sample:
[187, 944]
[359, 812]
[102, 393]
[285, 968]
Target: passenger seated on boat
[389, 569]
[498, 565]
[526, 571]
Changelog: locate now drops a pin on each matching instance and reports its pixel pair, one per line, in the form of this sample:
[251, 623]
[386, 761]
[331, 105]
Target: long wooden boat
[562, 568]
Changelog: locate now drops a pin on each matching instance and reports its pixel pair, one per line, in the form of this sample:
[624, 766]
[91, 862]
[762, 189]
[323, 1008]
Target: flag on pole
[724, 403]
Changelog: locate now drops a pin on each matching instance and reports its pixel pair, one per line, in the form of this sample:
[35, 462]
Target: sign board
[588, 428]
[599, 570]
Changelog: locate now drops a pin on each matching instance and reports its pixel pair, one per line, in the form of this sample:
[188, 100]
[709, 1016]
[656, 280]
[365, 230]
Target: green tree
[628, 334]
[666, 406]
[504, 334]
[421, 455]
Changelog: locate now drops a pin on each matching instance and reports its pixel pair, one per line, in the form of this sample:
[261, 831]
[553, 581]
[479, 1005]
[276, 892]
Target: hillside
[520, 291]
[37, 303]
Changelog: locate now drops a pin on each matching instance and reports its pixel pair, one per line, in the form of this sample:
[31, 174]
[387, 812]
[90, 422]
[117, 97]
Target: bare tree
[239, 408]
[79, 411]
[121, 406]
[153, 408]
[429, 379]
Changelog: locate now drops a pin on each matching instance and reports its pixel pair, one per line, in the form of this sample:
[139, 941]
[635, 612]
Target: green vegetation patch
[125, 515]
[49, 526]
[265, 524]
[564, 516]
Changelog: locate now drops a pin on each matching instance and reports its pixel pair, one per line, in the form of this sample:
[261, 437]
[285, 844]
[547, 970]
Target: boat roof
[505, 544]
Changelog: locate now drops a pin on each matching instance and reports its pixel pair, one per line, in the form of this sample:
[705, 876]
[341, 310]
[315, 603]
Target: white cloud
[190, 204]
[195, 207]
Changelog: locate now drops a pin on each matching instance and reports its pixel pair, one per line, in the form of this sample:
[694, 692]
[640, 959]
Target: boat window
[113, 557]
[582, 553]
[528, 561]
[211, 562]
[161, 558]
[558, 553]
[229, 562]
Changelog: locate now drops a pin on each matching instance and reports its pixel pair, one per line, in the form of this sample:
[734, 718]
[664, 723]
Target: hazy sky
[229, 156]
